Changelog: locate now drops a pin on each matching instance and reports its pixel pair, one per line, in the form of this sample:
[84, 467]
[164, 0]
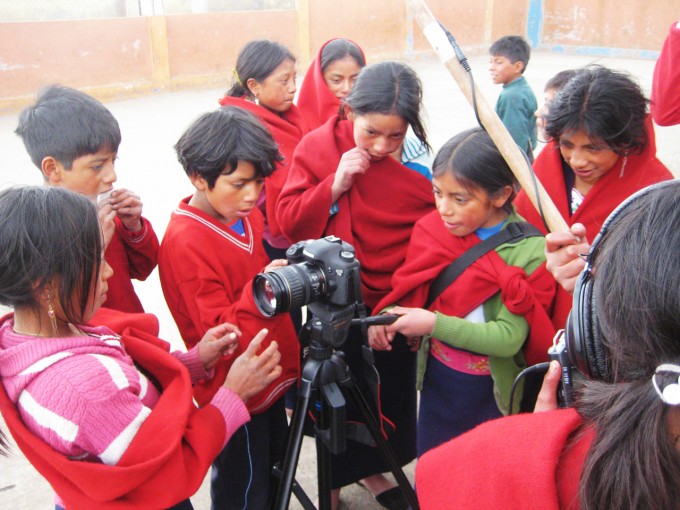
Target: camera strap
[513, 233]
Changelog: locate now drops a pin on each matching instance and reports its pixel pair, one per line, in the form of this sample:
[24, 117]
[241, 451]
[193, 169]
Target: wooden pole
[487, 116]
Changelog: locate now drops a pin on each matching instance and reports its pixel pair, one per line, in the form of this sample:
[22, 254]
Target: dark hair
[605, 104]
[337, 49]
[512, 47]
[48, 233]
[66, 123]
[475, 161]
[257, 59]
[390, 88]
[218, 140]
[632, 462]
[560, 79]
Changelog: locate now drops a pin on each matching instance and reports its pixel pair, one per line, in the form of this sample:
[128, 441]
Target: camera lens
[288, 287]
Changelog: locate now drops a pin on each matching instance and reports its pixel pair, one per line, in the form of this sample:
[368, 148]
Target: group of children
[351, 159]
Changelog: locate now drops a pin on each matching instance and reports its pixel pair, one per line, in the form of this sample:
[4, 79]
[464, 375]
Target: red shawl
[433, 248]
[375, 216]
[315, 101]
[610, 190]
[528, 461]
[665, 101]
[287, 130]
[166, 461]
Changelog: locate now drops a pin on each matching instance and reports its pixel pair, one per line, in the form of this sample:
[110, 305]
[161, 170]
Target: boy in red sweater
[211, 251]
[73, 139]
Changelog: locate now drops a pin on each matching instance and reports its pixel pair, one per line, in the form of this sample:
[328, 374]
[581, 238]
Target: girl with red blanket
[344, 181]
[329, 80]
[618, 448]
[107, 419]
[474, 331]
[264, 84]
[601, 151]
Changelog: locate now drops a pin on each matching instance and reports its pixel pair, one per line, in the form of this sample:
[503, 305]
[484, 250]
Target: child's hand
[413, 322]
[276, 263]
[379, 339]
[354, 162]
[106, 217]
[219, 341]
[128, 206]
[562, 253]
[547, 397]
[251, 373]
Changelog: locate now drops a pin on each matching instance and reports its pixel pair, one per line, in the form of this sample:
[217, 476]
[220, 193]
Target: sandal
[392, 499]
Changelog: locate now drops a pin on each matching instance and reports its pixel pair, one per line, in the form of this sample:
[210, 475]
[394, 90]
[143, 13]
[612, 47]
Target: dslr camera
[323, 274]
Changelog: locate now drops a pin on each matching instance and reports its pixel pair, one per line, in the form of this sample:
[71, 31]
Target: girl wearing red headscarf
[345, 181]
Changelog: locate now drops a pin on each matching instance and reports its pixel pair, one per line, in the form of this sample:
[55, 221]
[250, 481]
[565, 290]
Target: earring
[51, 314]
[257, 101]
[623, 166]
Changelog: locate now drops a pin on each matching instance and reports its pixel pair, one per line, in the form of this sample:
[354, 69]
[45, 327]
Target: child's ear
[349, 113]
[502, 196]
[52, 170]
[253, 87]
[199, 182]
[519, 67]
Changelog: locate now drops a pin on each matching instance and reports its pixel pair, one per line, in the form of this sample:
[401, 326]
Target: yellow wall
[122, 57]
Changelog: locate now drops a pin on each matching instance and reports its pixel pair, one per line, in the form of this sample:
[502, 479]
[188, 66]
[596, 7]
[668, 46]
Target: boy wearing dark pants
[211, 251]
[516, 104]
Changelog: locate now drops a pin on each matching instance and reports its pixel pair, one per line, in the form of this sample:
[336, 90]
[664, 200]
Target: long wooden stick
[487, 115]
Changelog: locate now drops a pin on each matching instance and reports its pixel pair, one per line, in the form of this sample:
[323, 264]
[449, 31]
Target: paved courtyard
[147, 164]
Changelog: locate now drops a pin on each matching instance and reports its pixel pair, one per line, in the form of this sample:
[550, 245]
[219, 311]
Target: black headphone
[582, 333]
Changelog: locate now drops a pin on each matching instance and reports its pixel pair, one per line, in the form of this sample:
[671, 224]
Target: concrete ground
[147, 165]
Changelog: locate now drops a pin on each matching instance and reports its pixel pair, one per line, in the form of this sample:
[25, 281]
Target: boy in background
[73, 139]
[516, 104]
[211, 251]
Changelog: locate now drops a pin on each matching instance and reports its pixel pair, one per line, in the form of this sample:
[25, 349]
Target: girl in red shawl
[264, 84]
[107, 419]
[619, 446]
[329, 80]
[344, 181]
[601, 151]
[474, 331]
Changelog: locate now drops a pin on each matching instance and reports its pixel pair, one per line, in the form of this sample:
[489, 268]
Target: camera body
[323, 271]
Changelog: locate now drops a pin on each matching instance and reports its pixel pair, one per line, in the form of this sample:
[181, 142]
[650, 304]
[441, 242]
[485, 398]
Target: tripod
[323, 373]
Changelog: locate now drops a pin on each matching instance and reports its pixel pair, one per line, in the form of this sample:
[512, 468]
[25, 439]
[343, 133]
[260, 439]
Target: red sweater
[528, 461]
[315, 100]
[665, 100]
[287, 130]
[166, 461]
[610, 190]
[375, 216]
[206, 272]
[131, 255]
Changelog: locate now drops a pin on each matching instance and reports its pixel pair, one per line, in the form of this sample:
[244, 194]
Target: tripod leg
[385, 450]
[294, 445]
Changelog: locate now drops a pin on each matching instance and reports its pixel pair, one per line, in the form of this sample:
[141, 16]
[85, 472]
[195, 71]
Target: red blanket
[315, 101]
[433, 248]
[520, 461]
[611, 189]
[287, 130]
[665, 101]
[165, 463]
[375, 216]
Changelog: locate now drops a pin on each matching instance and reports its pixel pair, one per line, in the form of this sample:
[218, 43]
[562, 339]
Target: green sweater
[503, 334]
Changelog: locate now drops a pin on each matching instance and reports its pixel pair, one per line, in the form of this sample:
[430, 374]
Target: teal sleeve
[501, 337]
